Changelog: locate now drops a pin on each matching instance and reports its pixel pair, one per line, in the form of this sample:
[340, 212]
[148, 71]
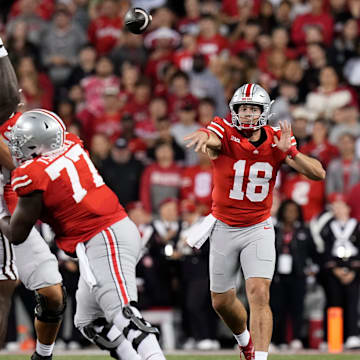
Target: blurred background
[132, 99]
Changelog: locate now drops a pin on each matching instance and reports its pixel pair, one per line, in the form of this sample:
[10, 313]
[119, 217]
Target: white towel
[197, 234]
[85, 270]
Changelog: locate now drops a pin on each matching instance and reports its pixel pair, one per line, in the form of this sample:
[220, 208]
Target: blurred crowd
[132, 99]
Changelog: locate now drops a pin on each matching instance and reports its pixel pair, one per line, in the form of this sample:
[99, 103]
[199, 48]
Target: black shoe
[36, 356]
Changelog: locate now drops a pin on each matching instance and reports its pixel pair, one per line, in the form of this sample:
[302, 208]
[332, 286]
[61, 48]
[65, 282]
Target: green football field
[197, 357]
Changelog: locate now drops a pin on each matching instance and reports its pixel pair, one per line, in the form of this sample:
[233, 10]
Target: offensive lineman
[57, 183]
[35, 265]
[246, 155]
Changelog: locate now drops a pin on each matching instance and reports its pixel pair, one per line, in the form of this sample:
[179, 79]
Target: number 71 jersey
[76, 202]
[244, 175]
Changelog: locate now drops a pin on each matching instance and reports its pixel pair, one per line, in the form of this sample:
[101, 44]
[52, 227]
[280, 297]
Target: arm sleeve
[25, 180]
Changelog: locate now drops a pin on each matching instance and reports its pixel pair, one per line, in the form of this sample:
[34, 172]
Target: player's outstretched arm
[307, 166]
[26, 214]
[202, 139]
[9, 94]
[304, 164]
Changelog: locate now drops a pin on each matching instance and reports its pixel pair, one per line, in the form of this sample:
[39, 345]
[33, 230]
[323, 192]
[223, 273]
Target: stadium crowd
[133, 98]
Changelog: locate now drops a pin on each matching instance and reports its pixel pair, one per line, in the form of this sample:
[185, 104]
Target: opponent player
[57, 183]
[246, 156]
[35, 265]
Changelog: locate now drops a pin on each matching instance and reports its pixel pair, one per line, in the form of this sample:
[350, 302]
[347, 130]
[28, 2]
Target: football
[137, 20]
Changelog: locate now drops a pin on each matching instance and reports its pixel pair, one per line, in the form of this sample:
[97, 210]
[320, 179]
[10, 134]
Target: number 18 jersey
[244, 175]
[76, 202]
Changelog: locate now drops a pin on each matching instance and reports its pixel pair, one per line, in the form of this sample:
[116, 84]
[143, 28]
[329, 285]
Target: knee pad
[42, 311]
[103, 334]
[139, 324]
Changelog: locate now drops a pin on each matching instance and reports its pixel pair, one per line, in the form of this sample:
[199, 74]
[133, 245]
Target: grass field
[197, 357]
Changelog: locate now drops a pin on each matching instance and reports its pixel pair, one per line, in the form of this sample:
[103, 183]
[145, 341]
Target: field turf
[197, 357]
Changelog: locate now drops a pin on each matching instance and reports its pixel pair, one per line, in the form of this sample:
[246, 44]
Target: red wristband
[208, 132]
[292, 152]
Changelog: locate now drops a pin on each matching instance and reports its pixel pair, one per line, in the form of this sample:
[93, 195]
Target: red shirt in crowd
[104, 32]
[309, 194]
[155, 180]
[324, 21]
[324, 152]
[197, 185]
[213, 46]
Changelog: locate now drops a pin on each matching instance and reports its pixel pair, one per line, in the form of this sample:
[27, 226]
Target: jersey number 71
[67, 162]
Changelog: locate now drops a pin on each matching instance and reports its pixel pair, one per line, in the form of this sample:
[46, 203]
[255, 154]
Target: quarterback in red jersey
[57, 183]
[246, 156]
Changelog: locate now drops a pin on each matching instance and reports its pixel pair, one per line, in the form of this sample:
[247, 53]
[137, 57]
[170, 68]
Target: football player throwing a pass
[246, 154]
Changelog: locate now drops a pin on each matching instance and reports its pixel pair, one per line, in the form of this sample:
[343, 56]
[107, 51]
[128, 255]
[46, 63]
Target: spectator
[60, 46]
[130, 75]
[85, 67]
[206, 111]
[294, 247]
[138, 106]
[160, 180]
[183, 57]
[94, 85]
[164, 134]
[209, 41]
[136, 145]
[316, 17]
[204, 84]
[147, 130]
[197, 184]
[18, 44]
[156, 268]
[187, 124]
[343, 172]
[109, 122]
[309, 194]
[179, 92]
[245, 38]
[122, 172]
[27, 13]
[189, 24]
[301, 117]
[338, 243]
[161, 43]
[330, 95]
[105, 30]
[65, 108]
[37, 89]
[99, 149]
[319, 146]
[129, 48]
[345, 119]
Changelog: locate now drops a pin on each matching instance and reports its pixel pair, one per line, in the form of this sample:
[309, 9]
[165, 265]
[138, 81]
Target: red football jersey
[244, 175]
[76, 202]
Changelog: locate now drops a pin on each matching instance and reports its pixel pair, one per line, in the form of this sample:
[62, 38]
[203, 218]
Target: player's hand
[284, 143]
[197, 139]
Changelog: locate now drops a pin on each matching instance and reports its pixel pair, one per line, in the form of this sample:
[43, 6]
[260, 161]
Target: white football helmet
[252, 94]
[36, 132]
